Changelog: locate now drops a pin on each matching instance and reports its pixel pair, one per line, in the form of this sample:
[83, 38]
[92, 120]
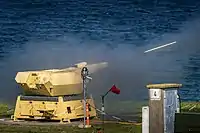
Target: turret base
[63, 108]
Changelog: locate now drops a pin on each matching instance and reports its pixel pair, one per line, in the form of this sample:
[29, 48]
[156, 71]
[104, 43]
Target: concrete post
[145, 119]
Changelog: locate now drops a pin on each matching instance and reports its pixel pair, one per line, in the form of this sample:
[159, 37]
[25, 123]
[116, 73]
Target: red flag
[115, 90]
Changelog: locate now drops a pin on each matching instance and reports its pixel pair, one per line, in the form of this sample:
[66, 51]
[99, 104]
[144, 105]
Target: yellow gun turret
[55, 82]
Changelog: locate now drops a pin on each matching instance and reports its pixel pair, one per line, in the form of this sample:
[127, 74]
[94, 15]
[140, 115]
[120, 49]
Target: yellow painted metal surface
[55, 82]
[51, 108]
[163, 86]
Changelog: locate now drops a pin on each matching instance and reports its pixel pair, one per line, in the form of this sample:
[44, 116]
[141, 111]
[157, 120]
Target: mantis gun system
[54, 94]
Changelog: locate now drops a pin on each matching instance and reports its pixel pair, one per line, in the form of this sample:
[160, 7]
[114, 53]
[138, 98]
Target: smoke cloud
[128, 67]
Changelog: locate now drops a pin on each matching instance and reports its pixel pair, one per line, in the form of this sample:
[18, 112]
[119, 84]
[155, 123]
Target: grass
[125, 108]
[5, 111]
[190, 107]
[109, 128]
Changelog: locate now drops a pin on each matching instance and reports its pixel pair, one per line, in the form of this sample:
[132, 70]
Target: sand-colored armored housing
[54, 94]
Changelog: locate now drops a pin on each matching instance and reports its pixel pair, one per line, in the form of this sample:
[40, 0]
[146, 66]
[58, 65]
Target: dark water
[55, 33]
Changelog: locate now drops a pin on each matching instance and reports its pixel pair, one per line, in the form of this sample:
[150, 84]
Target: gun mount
[53, 94]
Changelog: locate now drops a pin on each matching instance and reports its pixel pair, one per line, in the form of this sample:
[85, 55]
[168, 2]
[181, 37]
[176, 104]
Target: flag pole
[102, 105]
[102, 108]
